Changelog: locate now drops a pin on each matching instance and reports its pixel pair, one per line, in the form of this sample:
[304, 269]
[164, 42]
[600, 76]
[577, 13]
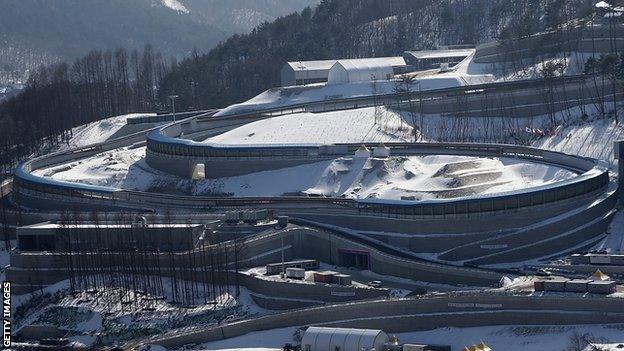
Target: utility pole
[283, 269]
[173, 98]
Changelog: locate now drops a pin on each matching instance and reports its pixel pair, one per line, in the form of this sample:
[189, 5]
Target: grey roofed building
[431, 59]
[306, 72]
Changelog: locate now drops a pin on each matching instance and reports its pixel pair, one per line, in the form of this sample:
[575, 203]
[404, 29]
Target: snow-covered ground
[88, 316]
[286, 96]
[99, 131]
[351, 126]
[415, 177]
[593, 138]
[505, 338]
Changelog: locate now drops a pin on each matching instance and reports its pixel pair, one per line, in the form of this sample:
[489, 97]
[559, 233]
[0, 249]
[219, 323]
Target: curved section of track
[526, 224]
[425, 313]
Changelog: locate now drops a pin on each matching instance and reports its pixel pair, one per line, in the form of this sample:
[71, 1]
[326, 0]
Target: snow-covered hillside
[591, 139]
[351, 126]
[99, 131]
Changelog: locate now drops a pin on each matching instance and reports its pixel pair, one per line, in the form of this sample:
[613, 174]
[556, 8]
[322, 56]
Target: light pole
[283, 266]
[173, 98]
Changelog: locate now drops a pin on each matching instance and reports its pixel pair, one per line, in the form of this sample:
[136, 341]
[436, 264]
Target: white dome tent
[343, 339]
[361, 70]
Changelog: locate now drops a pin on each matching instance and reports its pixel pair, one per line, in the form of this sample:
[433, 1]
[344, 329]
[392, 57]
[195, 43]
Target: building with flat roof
[432, 59]
[306, 72]
[366, 69]
[346, 70]
[56, 237]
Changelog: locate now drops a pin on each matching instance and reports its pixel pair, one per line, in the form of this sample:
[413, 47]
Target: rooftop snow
[429, 54]
[312, 65]
[366, 63]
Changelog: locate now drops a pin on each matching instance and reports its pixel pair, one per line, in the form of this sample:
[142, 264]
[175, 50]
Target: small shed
[343, 339]
[368, 69]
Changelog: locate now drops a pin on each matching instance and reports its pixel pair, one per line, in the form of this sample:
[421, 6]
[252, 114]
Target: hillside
[36, 32]
[246, 65]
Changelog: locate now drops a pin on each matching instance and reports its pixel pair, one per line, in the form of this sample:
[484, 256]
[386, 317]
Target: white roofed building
[366, 69]
[306, 72]
[431, 59]
[343, 339]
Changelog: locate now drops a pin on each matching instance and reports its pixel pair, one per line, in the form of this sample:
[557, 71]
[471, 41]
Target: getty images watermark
[6, 314]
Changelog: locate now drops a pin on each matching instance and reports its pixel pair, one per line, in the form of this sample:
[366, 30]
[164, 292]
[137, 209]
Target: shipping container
[324, 277]
[579, 259]
[282, 221]
[577, 285]
[233, 216]
[253, 216]
[555, 284]
[276, 268]
[601, 287]
[600, 259]
[617, 260]
[295, 273]
[538, 285]
[342, 279]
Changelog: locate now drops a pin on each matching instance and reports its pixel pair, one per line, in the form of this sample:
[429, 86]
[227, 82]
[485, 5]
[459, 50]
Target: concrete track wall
[589, 39]
[405, 315]
[30, 271]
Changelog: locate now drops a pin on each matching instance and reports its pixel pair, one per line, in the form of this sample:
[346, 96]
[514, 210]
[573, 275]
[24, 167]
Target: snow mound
[99, 131]
[351, 126]
[175, 5]
[395, 178]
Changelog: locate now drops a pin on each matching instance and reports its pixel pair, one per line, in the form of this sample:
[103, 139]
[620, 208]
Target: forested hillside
[245, 65]
[36, 32]
[101, 84]
[62, 96]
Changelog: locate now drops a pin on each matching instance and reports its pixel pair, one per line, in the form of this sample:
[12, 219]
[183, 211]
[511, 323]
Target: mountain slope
[37, 32]
[246, 65]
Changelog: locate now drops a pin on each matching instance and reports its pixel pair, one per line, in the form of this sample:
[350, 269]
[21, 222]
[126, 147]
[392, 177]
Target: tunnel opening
[354, 258]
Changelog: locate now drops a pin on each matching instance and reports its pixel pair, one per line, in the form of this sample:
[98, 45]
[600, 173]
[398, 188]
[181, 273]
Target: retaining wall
[428, 313]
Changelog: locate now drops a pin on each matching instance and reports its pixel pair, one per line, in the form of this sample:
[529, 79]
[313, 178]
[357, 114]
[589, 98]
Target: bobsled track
[448, 241]
[496, 228]
[461, 309]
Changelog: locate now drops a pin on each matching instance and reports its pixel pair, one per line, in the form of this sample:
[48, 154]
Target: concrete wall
[422, 314]
[589, 39]
[29, 271]
[219, 168]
